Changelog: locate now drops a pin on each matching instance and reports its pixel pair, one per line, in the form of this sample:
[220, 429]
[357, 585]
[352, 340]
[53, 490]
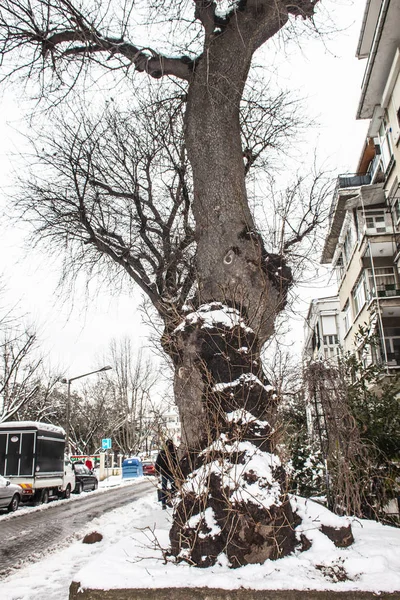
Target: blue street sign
[106, 443]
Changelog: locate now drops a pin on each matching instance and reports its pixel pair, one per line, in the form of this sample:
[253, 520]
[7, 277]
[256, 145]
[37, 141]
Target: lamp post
[68, 382]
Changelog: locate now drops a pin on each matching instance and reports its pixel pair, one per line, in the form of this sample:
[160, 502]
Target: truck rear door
[17, 453]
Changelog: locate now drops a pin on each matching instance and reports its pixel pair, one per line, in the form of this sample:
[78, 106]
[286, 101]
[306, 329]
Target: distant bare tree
[19, 372]
[131, 385]
[91, 416]
[48, 404]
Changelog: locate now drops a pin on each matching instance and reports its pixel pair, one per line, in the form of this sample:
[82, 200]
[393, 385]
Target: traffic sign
[106, 443]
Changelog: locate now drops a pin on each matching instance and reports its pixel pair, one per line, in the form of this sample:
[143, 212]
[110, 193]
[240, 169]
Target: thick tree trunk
[232, 506]
[232, 265]
[233, 501]
[230, 258]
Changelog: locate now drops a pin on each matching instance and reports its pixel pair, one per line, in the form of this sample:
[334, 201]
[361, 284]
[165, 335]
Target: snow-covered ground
[372, 563]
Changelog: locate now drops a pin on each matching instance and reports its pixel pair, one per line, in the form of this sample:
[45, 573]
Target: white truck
[32, 455]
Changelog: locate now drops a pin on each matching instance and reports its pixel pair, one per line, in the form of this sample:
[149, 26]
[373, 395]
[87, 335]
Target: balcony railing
[375, 170]
[387, 291]
[353, 180]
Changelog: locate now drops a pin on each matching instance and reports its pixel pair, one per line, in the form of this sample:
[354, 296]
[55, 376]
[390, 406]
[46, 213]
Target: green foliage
[355, 413]
[307, 470]
[306, 464]
[374, 401]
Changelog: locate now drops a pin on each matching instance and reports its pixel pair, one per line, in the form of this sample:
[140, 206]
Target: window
[359, 295]
[348, 245]
[385, 143]
[396, 209]
[375, 221]
[330, 340]
[339, 268]
[347, 317]
[331, 352]
[315, 341]
[392, 345]
[384, 277]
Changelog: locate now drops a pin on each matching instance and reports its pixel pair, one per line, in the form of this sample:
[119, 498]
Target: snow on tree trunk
[232, 505]
[233, 500]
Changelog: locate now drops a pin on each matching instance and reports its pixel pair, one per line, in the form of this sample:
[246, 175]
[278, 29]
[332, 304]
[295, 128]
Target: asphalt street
[29, 536]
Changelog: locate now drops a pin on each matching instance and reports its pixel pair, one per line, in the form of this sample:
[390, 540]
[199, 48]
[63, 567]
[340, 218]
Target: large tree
[189, 241]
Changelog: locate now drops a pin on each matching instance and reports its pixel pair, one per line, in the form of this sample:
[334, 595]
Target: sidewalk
[136, 568]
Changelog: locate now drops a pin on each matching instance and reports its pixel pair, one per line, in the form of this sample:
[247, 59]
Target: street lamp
[68, 382]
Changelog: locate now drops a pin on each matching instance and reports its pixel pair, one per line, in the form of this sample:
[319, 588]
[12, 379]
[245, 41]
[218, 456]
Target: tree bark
[233, 266]
[224, 400]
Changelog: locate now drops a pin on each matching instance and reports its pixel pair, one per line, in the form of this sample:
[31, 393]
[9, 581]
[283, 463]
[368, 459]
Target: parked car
[85, 480]
[10, 494]
[149, 468]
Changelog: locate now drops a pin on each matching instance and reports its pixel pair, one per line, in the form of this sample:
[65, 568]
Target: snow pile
[209, 520]
[136, 560]
[212, 315]
[244, 416]
[247, 378]
[371, 564]
[312, 514]
[250, 480]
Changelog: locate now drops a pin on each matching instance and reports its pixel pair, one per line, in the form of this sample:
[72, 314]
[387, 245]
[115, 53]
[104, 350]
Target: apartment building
[171, 425]
[323, 330]
[363, 241]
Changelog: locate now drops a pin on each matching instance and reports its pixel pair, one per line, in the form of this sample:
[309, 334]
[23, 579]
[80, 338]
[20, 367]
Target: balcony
[371, 246]
[352, 191]
[353, 180]
[375, 170]
[375, 222]
[388, 292]
[384, 291]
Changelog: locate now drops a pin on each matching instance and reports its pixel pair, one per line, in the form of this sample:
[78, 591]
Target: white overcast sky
[75, 334]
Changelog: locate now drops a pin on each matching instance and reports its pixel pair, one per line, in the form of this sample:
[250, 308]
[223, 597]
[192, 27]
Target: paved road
[28, 536]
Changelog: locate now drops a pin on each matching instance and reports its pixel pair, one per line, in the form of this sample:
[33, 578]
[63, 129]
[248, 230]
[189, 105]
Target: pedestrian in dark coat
[166, 465]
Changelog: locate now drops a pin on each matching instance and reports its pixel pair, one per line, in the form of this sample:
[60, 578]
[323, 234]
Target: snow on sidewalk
[51, 576]
[372, 563]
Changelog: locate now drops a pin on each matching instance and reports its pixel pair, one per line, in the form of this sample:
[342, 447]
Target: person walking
[166, 465]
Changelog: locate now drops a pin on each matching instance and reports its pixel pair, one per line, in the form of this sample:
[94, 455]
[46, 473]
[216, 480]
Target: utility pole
[68, 412]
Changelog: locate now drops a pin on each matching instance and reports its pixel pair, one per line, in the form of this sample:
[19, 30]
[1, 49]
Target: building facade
[363, 241]
[323, 330]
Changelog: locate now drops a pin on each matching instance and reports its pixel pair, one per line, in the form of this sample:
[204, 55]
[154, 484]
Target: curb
[76, 593]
